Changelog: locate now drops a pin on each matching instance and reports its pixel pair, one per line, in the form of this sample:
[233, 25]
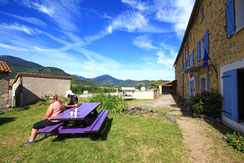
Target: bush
[208, 103]
[113, 103]
[236, 141]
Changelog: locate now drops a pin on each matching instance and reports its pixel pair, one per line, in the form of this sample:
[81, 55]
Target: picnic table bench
[84, 110]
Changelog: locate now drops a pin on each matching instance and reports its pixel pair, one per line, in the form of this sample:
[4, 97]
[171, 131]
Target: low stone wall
[149, 94]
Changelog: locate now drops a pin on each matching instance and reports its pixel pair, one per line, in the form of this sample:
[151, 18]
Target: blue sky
[127, 39]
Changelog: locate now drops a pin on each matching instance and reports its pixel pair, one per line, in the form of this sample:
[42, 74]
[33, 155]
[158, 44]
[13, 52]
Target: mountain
[134, 83]
[79, 77]
[19, 65]
[17, 62]
[106, 80]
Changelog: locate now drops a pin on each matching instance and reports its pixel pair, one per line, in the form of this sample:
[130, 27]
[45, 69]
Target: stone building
[215, 29]
[4, 84]
[168, 87]
[28, 88]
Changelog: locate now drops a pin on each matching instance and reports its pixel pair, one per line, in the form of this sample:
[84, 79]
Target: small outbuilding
[168, 87]
[128, 90]
[4, 83]
[29, 88]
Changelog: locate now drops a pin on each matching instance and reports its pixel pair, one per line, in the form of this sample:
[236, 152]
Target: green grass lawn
[123, 138]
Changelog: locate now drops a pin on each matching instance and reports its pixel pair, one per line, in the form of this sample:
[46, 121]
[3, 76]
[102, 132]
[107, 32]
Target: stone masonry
[222, 50]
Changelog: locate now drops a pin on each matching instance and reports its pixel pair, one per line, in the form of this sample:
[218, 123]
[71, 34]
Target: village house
[4, 83]
[167, 87]
[28, 88]
[215, 29]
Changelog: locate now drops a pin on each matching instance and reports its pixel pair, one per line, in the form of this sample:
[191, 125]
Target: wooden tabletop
[83, 111]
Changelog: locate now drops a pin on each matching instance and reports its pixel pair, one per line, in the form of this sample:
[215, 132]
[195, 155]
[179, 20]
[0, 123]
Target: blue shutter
[199, 51]
[189, 63]
[230, 18]
[191, 93]
[206, 42]
[230, 93]
[192, 58]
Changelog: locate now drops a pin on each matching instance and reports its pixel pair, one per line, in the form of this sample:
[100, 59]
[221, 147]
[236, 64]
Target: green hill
[20, 65]
[106, 80]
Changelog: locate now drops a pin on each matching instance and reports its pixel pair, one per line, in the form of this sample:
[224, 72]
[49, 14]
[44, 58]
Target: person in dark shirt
[73, 100]
[73, 103]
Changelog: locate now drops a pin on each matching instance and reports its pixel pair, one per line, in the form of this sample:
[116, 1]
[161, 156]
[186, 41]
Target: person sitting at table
[54, 109]
[73, 103]
[73, 100]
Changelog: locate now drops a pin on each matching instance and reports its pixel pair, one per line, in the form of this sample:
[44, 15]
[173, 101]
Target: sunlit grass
[123, 138]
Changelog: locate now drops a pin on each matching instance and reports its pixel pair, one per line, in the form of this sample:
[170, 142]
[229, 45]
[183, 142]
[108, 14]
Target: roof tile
[4, 67]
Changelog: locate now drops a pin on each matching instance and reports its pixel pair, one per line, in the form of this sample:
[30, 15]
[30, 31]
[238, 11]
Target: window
[234, 16]
[190, 38]
[239, 14]
[202, 42]
[203, 45]
[203, 82]
[201, 14]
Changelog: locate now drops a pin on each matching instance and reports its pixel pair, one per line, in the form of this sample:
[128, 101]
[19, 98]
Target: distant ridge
[20, 65]
[18, 62]
[106, 80]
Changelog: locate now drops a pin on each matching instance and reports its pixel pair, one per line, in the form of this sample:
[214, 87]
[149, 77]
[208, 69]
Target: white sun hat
[69, 92]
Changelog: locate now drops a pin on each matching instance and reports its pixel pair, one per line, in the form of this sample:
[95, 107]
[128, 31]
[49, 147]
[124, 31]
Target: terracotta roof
[40, 76]
[170, 83]
[4, 67]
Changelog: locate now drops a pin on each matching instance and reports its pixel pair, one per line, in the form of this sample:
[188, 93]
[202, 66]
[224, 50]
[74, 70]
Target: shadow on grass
[6, 120]
[102, 135]
[218, 125]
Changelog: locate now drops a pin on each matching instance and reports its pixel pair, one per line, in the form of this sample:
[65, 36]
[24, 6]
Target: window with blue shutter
[192, 58]
[189, 61]
[230, 18]
[199, 51]
[206, 42]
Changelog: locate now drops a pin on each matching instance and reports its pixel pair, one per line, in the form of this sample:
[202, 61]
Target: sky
[127, 39]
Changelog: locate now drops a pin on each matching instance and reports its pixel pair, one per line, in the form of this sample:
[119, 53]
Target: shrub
[236, 141]
[208, 103]
[212, 103]
[113, 103]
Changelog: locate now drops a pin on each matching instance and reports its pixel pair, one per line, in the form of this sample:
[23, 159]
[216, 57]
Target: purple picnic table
[83, 111]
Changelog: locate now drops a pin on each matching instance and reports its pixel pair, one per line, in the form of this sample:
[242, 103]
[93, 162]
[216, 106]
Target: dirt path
[203, 139]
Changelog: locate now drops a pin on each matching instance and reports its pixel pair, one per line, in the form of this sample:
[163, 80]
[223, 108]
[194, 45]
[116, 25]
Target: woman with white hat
[73, 100]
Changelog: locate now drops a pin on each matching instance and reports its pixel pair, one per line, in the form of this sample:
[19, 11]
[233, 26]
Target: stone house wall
[222, 50]
[28, 89]
[4, 85]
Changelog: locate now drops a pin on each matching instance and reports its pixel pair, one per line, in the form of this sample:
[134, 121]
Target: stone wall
[222, 50]
[4, 85]
[148, 94]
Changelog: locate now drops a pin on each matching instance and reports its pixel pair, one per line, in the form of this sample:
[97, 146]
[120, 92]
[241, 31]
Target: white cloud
[165, 59]
[137, 4]
[22, 28]
[176, 12]
[64, 13]
[144, 42]
[13, 47]
[31, 20]
[128, 21]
